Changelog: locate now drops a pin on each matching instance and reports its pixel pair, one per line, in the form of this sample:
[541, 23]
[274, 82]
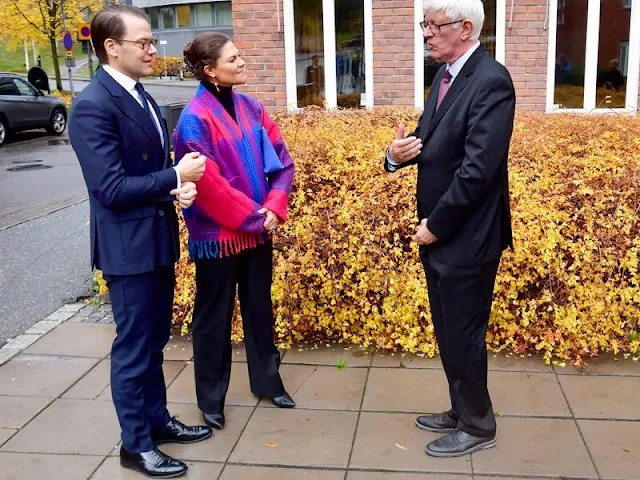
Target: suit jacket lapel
[128, 105]
[432, 100]
[164, 127]
[456, 88]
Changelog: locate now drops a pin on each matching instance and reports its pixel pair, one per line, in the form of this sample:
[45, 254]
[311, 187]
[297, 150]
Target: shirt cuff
[178, 177]
[393, 165]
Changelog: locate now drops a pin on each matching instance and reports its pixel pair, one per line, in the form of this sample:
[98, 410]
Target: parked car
[24, 107]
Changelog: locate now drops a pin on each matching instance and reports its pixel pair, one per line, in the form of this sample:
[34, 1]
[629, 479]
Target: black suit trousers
[250, 271]
[460, 299]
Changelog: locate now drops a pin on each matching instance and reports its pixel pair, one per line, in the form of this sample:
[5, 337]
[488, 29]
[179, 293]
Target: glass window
[487, 39]
[183, 14]
[613, 53]
[223, 14]
[154, 18]
[24, 88]
[202, 14]
[168, 17]
[309, 40]
[7, 87]
[570, 55]
[349, 52]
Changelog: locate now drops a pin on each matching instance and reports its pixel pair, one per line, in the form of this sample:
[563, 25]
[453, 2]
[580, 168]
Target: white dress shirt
[454, 69]
[129, 84]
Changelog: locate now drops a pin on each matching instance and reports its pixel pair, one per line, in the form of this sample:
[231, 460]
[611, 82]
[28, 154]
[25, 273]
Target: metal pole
[35, 56]
[164, 54]
[90, 60]
[64, 28]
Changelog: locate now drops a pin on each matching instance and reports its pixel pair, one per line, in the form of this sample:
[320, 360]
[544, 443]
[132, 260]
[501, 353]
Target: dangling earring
[216, 85]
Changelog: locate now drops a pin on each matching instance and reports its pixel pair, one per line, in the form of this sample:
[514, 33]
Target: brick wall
[393, 57]
[526, 53]
[255, 33]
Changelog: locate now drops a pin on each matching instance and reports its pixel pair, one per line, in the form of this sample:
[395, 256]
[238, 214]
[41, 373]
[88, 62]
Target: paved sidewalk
[352, 423]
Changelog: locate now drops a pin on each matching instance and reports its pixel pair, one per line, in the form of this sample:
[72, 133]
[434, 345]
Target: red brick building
[353, 53]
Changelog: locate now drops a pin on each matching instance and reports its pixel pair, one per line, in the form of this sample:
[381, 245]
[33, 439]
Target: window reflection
[570, 53]
[309, 52]
[350, 52]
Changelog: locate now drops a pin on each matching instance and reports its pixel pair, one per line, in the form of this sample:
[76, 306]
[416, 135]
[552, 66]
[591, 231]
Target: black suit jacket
[463, 186]
[134, 227]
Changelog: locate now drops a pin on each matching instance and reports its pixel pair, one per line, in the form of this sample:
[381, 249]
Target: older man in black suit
[461, 148]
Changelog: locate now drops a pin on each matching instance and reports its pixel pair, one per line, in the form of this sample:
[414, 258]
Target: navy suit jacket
[134, 227]
[463, 185]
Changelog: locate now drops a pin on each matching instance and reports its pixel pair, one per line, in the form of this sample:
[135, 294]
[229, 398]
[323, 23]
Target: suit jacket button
[161, 213]
[145, 156]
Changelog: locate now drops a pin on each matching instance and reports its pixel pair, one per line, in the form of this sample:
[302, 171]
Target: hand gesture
[404, 149]
[271, 221]
[191, 167]
[186, 194]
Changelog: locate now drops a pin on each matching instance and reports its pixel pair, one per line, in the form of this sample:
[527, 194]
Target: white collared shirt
[129, 84]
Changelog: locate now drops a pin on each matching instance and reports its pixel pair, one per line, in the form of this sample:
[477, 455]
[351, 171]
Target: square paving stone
[92, 384]
[6, 434]
[21, 466]
[391, 441]
[325, 388]
[614, 447]
[406, 390]
[403, 476]
[517, 363]
[7, 354]
[296, 437]
[216, 448]
[536, 447]
[351, 355]
[111, 470]
[179, 348]
[170, 369]
[603, 365]
[527, 394]
[183, 388]
[238, 472]
[83, 427]
[76, 340]
[15, 412]
[602, 397]
[406, 360]
[294, 378]
[41, 375]
[42, 327]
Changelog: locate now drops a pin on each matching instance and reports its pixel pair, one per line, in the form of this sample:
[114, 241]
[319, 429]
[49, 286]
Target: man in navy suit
[461, 148]
[122, 144]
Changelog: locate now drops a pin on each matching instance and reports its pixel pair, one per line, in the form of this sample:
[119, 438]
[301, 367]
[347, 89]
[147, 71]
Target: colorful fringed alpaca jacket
[224, 218]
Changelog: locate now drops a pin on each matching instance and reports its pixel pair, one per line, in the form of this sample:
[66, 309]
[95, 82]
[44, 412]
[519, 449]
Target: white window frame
[329, 36]
[501, 27]
[591, 61]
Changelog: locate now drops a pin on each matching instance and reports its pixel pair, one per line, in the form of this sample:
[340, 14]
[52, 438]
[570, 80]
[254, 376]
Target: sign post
[84, 36]
[164, 55]
[68, 45]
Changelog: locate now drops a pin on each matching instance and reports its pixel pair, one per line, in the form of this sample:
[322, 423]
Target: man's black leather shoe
[439, 423]
[153, 464]
[215, 420]
[177, 432]
[283, 401]
[459, 443]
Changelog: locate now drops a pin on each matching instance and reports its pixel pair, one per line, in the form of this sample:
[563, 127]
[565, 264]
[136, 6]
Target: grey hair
[459, 9]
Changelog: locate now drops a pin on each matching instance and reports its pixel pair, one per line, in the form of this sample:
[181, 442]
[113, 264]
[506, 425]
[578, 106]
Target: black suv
[24, 107]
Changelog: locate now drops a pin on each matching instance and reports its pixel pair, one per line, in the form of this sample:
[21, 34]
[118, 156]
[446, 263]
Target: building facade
[563, 55]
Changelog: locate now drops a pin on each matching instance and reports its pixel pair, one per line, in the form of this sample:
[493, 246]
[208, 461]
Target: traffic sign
[84, 31]
[69, 53]
[67, 41]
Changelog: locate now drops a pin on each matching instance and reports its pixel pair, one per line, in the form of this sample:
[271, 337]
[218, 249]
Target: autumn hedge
[345, 269]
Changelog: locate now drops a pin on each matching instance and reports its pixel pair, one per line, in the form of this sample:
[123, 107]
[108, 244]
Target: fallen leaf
[271, 444]
[401, 447]
[625, 450]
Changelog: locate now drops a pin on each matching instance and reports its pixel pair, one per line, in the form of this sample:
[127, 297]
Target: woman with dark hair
[242, 198]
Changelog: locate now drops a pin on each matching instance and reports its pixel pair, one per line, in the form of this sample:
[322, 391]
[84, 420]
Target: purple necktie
[445, 83]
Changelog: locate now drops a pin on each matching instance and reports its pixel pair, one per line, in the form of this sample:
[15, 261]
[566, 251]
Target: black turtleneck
[224, 97]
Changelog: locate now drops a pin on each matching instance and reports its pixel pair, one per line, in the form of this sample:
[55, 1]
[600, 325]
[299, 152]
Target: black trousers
[460, 299]
[216, 281]
[142, 307]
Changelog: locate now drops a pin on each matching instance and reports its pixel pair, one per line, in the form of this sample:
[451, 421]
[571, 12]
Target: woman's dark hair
[108, 23]
[204, 50]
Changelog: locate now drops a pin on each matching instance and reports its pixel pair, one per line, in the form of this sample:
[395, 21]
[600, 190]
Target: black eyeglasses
[143, 44]
[435, 28]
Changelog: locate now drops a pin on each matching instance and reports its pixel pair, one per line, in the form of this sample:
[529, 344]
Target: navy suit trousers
[142, 308]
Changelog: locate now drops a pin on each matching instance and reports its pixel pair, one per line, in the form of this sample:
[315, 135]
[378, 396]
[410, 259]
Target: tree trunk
[56, 65]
